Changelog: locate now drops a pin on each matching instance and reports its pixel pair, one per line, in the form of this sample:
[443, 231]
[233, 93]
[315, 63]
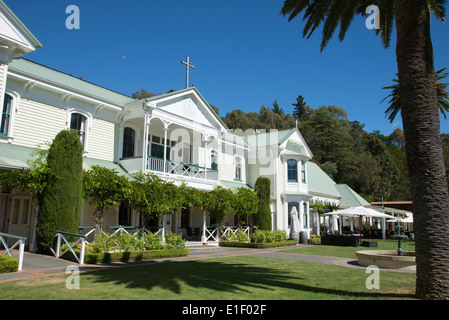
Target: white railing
[231, 230]
[181, 169]
[61, 237]
[20, 242]
[211, 233]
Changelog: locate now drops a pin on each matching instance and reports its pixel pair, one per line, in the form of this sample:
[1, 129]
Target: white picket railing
[181, 169]
[61, 237]
[20, 242]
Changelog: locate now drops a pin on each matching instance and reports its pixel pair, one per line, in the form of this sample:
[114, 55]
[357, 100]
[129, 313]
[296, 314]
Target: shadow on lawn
[220, 277]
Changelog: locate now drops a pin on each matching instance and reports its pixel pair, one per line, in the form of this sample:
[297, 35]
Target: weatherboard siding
[101, 140]
[36, 123]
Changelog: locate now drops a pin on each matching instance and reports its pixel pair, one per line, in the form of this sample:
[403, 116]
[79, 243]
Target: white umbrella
[295, 227]
[361, 211]
[334, 226]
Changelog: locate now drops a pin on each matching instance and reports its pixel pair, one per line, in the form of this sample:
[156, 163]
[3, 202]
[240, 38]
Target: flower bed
[260, 239]
[123, 247]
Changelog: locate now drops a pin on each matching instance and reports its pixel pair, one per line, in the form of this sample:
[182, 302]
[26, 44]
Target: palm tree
[395, 101]
[419, 112]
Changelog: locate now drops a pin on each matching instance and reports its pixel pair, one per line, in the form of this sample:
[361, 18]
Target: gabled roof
[178, 92]
[15, 32]
[319, 183]
[350, 198]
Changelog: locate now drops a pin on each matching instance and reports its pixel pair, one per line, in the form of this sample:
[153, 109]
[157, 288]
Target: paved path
[35, 265]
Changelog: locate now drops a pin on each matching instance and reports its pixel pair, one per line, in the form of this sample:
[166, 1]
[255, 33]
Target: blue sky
[245, 53]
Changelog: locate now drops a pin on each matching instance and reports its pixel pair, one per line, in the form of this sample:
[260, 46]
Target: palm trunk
[421, 122]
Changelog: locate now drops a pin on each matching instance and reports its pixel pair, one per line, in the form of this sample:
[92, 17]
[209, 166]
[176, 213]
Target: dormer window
[292, 170]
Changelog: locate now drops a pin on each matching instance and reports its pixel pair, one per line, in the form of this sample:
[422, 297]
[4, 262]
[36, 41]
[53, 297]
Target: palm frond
[395, 96]
[438, 8]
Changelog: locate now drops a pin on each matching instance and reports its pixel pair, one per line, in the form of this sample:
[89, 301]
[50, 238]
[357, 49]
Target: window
[185, 217]
[213, 160]
[124, 215]
[6, 115]
[292, 170]
[78, 123]
[238, 169]
[157, 148]
[129, 136]
[303, 171]
[305, 215]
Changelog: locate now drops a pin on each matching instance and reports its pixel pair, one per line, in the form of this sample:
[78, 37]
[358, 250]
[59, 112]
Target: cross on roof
[188, 66]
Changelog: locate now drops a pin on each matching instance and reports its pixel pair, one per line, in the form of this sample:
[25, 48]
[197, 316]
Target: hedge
[258, 245]
[8, 264]
[127, 256]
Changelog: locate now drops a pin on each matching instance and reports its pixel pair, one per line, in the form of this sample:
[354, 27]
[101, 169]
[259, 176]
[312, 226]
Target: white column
[203, 237]
[163, 227]
[145, 144]
[301, 215]
[165, 146]
[340, 222]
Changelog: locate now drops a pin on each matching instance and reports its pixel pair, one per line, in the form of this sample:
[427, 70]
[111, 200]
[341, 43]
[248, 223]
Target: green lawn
[349, 252]
[228, 278]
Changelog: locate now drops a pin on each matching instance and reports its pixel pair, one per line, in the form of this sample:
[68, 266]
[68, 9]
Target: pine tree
[263, 218]
[62, 200]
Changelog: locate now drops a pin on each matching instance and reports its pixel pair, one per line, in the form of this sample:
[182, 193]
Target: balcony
[179, 170]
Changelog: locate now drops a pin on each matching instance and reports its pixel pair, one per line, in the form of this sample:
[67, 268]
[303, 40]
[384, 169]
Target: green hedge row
[258, 245]
[127, 256]
[8, 264]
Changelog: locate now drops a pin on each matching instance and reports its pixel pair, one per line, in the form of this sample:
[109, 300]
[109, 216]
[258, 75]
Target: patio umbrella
[334, 223]
[295, 228]
[363, 212]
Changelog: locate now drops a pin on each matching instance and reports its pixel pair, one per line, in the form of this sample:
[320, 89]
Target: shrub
[263, 217]
[266, 236]
[258, 245]
[128, 242]
[8, 264]
[61, 203]
[240, 235]
[174, 241]
[152, 241]
[315, 240]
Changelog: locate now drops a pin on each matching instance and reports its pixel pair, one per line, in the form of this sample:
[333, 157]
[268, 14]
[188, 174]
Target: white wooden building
[176, 135]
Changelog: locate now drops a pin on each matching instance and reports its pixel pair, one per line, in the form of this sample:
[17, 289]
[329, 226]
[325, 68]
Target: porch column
[203, 237]
[340, 222]
[166, 124]
[146, 130]
[318, 231]
[163, 228]
[206, 141]
[165, 147]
